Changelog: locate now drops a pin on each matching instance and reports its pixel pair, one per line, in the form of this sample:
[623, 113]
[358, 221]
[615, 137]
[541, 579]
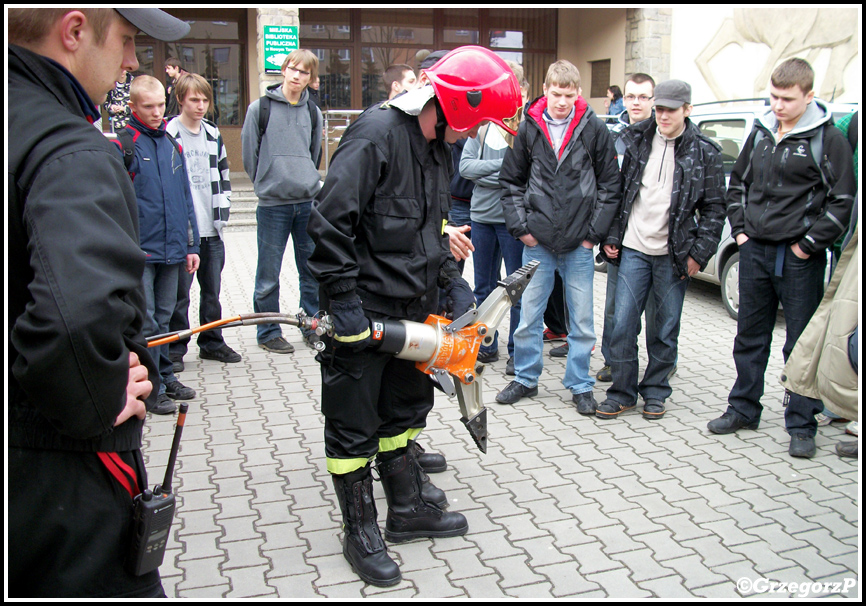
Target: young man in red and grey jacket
[790, 197]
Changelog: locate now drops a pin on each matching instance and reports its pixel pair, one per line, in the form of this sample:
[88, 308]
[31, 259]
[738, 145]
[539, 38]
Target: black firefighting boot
[410, 515]
[363, 547]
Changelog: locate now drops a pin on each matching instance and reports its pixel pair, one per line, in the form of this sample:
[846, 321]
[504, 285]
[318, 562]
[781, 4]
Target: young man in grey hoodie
[279, 156]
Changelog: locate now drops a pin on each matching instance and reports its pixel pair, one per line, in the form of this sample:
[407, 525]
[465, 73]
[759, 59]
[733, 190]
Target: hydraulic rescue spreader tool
[445, 349]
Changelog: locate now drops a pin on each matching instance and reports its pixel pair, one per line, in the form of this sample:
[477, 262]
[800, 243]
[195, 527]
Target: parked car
[729, 123]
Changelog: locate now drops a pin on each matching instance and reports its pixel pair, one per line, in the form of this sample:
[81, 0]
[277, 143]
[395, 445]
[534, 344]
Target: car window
[730, 134]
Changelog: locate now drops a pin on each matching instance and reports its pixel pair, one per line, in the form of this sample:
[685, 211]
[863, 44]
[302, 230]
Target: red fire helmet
[473, 84]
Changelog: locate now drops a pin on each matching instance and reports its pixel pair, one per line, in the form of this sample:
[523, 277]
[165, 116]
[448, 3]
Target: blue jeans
[275, 225]
[609, 319]
[799, 288]
[576, 268]
[213, 259]
[640, 277]
[492, 244]
[160, 292]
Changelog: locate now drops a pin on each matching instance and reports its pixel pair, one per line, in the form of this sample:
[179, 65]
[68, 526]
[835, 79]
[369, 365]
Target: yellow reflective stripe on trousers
[393, 443]
[343, 466]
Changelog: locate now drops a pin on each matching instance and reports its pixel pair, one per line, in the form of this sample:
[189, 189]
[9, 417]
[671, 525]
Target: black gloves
[459, 297]
[351, 326]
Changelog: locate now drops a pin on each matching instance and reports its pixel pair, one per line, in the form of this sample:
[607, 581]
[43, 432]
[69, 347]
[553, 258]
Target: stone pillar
[648, 42]
[271, 16]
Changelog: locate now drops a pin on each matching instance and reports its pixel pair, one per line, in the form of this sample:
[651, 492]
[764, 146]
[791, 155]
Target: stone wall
[648, 42]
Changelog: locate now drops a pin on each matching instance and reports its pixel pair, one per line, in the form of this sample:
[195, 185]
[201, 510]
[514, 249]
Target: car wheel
[731, 285]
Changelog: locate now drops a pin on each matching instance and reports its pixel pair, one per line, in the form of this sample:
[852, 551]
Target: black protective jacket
[777, 192]
[697, 214]
[377, 223]
[75, 296]
[563, 200]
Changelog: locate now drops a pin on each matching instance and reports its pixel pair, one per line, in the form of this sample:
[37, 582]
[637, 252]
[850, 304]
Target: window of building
[599, 79]
[355, 46]
[212, 49]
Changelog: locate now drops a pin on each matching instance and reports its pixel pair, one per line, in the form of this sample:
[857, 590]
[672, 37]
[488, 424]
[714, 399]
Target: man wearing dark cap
[79, 372]
[673, 182]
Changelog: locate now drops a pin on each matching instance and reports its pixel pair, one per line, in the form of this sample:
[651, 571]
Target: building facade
[724, 53]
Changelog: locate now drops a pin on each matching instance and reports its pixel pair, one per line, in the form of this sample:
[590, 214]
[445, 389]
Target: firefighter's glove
[459, 298]
[351, 326]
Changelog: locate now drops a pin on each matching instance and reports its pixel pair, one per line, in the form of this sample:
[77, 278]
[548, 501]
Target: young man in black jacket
[668, 228]
[79, 371]
[562, 188]
[381, 252]
[790, 197]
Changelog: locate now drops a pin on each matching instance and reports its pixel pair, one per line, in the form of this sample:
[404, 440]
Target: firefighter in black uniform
[381, 252]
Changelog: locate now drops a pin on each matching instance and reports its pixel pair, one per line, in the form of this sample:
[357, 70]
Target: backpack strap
[126, 141]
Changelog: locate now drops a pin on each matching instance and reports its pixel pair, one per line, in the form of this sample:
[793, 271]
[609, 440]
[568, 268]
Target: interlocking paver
[561, 506]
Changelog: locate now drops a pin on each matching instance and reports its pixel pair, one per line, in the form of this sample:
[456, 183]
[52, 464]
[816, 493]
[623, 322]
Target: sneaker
[653, 409]
[488, 357]
[178, 391]
[509, 367]
[729, 423]
[514, 392]
[610, 409]
[163, 406]
[278, 345]
[312, 341]
[802, 446]
[585, 403]
[604, 375]
[224, 354]
[549, 335]
[559, 352]
[853, 428]
[847, 449]
[176, 362]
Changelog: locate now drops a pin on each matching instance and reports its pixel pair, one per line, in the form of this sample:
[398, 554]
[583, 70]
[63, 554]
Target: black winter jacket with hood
[777, 194]
[697, 214]
[561, 201]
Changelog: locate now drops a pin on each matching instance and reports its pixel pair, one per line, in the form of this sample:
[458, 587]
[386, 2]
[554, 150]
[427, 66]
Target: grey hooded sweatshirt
[279, 162]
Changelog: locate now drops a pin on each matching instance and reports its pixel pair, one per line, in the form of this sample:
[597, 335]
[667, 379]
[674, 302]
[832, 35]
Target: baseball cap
[673, 94]
[155, 23]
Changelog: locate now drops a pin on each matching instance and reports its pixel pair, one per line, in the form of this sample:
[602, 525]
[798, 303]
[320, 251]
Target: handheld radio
[154, 513]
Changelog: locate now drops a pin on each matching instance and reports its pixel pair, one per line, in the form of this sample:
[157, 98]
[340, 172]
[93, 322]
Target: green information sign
[279, 41]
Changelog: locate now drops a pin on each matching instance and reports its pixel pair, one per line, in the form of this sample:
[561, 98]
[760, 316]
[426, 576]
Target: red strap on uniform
[122, 472]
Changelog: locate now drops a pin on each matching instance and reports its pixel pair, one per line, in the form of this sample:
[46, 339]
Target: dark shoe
[176, 362]
[609, 409]
[312, 341]
[363, 546]
[224, 354]
[430, 462]
[488, 357]
[164, 406]
[278, 345]
[802, 446]
[514, 391]
[729, 423]
[549, 335]
[653, 409]
[178, 391]
[847, 449]
[559, 352]
[509, 367]
[585, 403]
[604, 375]
[410, 515]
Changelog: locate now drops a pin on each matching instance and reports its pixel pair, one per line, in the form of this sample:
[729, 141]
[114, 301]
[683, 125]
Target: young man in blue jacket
[169, 230]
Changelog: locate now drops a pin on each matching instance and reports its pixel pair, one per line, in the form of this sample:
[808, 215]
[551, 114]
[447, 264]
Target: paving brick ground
[561, 505]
